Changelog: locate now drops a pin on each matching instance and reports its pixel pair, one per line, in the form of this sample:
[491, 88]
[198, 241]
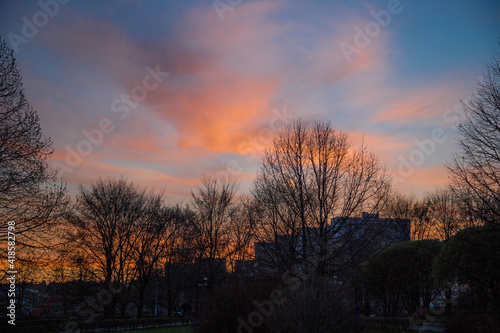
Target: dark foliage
[232, 304]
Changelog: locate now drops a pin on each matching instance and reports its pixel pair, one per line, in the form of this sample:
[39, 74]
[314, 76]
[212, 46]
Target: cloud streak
[225, 79]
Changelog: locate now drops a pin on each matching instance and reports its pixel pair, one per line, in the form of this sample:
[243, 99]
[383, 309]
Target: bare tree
[104, 227]
[281, 190]
[284, 175]
[346, 181]
[310, 175]
[29, 195]
[213, 202]
[241, 230]
[153, 233]
[180, 252]
[475, 169]
[277, 225]
[23, 150]
[445, 215]
[401, 207]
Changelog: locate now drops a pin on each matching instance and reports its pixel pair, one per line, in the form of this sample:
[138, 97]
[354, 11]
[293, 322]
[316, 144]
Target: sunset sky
[162, 91]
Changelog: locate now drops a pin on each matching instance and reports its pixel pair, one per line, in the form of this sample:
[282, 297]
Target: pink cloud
[224, 75]
[225, 79]
[421, 102]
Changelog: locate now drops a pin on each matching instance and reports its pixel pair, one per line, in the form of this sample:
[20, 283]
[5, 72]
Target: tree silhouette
[475, 169]
[105, 222]
[28, 194]
[309, 175]
[214, 204]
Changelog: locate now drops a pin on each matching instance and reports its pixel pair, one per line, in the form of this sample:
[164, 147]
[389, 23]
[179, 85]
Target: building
[346, 240]
[370, 227]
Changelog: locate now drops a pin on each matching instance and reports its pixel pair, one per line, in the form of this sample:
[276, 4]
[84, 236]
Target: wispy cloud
[225, 79]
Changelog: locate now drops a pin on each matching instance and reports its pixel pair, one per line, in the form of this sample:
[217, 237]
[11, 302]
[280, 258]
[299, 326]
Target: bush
[231, 304]
[317, 306]
[471, 315]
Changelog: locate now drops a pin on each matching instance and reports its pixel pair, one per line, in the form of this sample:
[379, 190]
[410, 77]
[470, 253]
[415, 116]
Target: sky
[163, 92]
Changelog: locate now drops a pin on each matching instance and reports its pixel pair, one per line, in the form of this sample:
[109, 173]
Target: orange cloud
[424, 179]
[214, 114]
[225, 76]
[225, 79]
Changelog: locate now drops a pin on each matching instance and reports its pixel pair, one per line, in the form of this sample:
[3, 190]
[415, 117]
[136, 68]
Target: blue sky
[236, 69]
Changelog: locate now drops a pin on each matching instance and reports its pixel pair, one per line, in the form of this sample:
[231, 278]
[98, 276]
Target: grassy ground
[188, 329]
[174, 329]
